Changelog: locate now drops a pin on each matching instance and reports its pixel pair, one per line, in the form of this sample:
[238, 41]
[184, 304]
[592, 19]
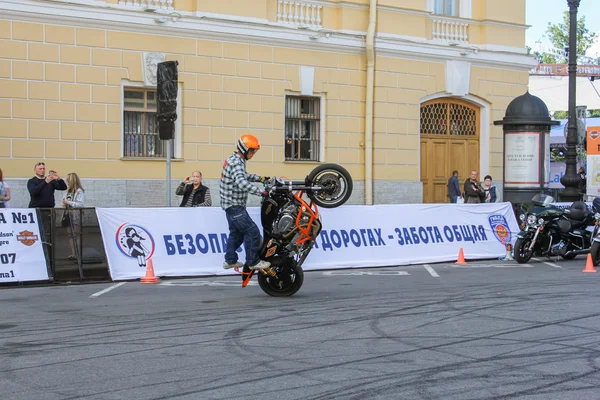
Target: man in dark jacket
[453, 187]
[194, 193]
[41, 188]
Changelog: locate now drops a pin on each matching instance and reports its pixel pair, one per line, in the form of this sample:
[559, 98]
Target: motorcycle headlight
[531, 220]
[541, 221]
[522, 217]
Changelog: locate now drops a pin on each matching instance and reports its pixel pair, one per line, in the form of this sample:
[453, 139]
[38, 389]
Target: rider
[233, 189]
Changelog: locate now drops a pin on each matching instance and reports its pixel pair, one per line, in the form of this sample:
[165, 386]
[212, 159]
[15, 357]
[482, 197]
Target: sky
[540, 12]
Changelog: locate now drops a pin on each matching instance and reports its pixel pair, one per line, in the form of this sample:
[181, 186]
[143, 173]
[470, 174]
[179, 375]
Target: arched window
[449, 117]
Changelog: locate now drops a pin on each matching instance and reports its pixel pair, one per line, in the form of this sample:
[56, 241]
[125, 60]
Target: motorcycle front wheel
[335, 183]
[522, 254]
[595, 252]
[286, 283]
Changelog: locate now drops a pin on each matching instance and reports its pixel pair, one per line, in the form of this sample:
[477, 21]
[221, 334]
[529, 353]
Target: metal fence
[80, 238]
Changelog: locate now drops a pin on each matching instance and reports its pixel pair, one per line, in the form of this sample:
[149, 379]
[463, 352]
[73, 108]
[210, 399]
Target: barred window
[140, 125]
[446, 7]
[302, 128]
[449, 117]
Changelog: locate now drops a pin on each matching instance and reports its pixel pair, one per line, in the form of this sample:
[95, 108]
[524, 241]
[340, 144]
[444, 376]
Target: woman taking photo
[4, 192]
[73, 197]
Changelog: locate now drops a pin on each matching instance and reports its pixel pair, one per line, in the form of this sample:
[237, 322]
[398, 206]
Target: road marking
[547, 263]
[206, 282]
[431, 271]
[360, 273]
[108, 289]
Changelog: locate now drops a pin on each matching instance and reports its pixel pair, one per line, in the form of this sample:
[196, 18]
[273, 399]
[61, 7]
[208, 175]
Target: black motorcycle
[595, 249]
[291, 225]
[551, 231]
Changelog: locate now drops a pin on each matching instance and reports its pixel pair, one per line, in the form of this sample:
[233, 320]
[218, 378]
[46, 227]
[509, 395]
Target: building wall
[61, 93]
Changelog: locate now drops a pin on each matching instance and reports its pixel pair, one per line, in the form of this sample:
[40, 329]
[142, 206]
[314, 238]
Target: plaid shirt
[235, 183]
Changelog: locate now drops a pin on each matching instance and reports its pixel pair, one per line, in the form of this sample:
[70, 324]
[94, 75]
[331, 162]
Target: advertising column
[21, 253]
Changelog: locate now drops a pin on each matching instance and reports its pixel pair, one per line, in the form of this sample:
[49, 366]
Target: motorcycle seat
[578, 211]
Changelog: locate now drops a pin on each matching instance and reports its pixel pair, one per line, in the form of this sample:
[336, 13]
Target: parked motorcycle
[551, 231]
[595, 249]
[291, 225]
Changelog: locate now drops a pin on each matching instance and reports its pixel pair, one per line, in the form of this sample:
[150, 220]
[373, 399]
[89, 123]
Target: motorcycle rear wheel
[522, 255]
[282, 285]
[336, 183]
[595, 252]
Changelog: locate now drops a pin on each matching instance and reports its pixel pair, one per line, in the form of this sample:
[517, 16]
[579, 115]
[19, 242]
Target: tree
[558, 34]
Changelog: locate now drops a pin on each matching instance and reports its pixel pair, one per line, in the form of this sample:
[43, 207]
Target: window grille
[302, 128]
[140, 125]
[449, 118]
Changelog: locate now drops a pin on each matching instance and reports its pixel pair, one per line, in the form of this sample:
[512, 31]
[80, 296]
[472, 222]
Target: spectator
[473, 190]
[42, 188]
[453, 187]
[73, 197]
[489, 190]
[4, 192]
[583, 181]
[194, 193]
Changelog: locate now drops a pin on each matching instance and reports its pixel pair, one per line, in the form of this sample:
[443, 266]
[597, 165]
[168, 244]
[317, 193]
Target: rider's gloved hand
[263, 179]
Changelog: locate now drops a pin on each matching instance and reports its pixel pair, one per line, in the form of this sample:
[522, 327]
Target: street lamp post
[571, 180]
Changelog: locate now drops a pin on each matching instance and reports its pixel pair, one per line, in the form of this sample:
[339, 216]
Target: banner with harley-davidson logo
[182, 241]
[21, 253]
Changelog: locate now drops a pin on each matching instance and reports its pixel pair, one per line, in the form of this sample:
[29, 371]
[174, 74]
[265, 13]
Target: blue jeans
[453, 199]
[242, 230]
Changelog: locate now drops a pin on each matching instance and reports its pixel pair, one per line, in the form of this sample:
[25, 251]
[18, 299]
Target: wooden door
[449, 141]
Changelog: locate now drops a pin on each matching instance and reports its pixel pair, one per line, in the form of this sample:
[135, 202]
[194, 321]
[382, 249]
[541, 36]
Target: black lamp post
[571, 180]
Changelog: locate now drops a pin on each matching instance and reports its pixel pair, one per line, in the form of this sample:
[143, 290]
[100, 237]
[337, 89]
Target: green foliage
[558, 34]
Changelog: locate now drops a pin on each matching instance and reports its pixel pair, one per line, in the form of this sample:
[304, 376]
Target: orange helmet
[246, 143]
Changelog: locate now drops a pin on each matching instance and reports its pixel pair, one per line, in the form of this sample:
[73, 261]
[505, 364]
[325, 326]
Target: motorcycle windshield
[543, 199]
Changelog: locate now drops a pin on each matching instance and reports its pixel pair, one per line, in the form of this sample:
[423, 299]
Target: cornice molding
[220, 28]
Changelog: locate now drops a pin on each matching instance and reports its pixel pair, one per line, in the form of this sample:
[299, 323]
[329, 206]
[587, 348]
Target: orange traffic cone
[589, 265]
[461, 257]
[150, 277]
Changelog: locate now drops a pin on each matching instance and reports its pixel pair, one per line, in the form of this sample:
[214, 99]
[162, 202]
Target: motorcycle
[551, 231]
[291, 225]
[595, 249]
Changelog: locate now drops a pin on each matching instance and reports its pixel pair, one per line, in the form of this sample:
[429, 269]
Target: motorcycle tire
[336, 181]
[521, 255]
[569, 257]
[595, 252]
[278, 288]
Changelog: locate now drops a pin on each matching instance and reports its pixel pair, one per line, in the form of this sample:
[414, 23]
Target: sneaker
[261, 265]
[235, 265]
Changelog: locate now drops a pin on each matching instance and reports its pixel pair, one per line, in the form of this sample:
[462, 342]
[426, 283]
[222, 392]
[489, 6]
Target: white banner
[21, 253]
[191, 241]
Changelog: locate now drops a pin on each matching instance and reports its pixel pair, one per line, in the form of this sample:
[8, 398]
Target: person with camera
[41, 188]
[194, 193]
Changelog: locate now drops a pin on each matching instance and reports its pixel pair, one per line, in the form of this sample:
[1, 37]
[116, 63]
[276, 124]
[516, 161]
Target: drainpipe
[369, 103]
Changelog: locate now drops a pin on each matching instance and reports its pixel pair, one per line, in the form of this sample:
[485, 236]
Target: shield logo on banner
[500, 228]
[27, 238]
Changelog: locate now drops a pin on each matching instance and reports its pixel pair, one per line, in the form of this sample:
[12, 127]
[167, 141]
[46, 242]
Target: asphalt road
[487, 330]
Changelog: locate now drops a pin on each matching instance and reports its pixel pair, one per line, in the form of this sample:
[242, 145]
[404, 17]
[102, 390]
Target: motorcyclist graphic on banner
[135, 242]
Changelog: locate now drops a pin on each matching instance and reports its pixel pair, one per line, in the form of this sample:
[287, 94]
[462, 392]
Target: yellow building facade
[399, 92]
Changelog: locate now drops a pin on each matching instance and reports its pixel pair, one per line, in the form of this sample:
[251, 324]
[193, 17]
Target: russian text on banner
[191, 241]
[21, 253]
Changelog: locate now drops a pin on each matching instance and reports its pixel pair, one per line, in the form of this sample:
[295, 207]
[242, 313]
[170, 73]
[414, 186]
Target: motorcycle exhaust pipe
[576, 252]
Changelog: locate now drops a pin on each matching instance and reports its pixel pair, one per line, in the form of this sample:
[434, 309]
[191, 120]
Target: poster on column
[522, 159]
[593, 161]
[21, 254]
[183, 241]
